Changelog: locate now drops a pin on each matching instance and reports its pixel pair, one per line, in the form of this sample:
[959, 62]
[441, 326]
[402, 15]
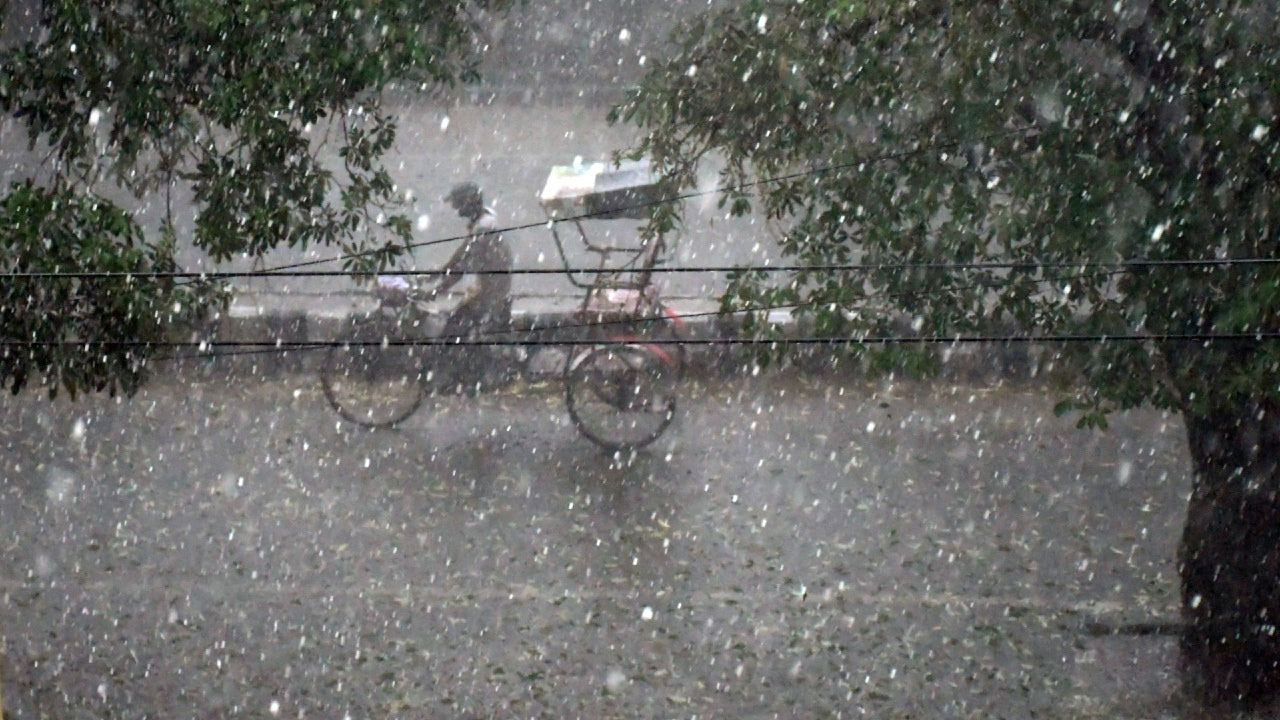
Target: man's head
[467, 200]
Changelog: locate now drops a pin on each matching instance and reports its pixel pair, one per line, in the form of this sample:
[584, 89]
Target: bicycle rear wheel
[377, 385]
[621, 396]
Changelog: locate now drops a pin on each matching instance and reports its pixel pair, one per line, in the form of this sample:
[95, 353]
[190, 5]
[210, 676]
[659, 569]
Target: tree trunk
[1230, 557]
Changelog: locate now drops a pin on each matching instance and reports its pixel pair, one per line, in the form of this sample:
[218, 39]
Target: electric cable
[289, 270]
[866, 160]
[657, 318]
[808, 340]
[1137, 263]
[897, 155]
[461, 341]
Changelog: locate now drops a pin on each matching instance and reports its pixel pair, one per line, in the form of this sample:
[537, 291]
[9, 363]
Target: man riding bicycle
[481, 265]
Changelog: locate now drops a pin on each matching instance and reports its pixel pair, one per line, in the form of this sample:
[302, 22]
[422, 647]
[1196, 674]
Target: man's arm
[453, 269]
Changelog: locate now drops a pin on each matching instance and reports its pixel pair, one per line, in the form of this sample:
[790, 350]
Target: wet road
[792, 548]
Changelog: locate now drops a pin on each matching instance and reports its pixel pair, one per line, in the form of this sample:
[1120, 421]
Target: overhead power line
[832, 268]
[280, 345]
[1134, 264]
[867, 160]
[291, 269]
[646, 320]
[657, 319]
[281, 270]
[920, 149]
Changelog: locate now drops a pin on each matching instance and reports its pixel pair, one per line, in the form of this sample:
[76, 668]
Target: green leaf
[129, 98]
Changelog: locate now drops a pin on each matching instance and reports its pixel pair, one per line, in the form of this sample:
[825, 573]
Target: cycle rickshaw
[625, 360]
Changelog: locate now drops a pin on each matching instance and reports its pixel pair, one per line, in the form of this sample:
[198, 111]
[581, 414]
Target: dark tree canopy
[1039, 132]
[130, 98]
[1057, 135]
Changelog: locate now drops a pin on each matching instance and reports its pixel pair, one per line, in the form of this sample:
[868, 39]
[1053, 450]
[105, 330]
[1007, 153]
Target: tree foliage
[1052, 134]
[917, 136]
[127, 100]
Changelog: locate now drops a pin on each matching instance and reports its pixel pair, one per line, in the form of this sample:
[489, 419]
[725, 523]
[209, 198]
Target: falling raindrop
[614, 680]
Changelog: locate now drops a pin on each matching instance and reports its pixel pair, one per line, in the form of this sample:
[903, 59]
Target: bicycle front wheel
[376, 386]
[621, 396]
